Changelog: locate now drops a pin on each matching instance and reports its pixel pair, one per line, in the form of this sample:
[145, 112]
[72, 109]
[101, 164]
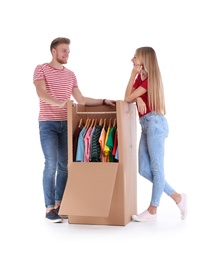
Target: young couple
[55, 84]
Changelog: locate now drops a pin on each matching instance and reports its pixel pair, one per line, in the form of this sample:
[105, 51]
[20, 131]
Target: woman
[146, 89]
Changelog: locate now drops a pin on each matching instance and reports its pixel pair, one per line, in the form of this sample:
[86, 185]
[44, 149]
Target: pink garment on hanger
[87, 140]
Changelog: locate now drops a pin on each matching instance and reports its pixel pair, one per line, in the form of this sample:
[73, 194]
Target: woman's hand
[141, 106]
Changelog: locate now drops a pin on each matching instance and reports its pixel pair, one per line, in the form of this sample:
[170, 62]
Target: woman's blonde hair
[155, 91]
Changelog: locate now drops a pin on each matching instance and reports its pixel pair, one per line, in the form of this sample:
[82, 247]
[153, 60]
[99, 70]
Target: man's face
[61, 53]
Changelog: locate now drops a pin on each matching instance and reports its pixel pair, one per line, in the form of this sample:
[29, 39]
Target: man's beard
[61, 61]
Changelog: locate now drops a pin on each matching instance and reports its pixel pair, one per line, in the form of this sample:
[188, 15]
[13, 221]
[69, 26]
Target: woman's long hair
[155, 91]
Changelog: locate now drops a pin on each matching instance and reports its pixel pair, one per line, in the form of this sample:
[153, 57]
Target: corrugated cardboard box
[103, 192]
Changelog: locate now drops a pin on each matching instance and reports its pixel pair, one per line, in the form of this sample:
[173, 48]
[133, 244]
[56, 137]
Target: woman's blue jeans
[53, 137]
[151, 154]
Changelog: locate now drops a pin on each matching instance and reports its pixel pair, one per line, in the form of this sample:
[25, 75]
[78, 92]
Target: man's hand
[63, 104]
[109, 102]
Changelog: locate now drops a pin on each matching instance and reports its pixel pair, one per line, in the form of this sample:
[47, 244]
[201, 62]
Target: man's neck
[56, 65]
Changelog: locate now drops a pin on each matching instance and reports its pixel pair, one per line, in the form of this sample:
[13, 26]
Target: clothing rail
[94, 112]
[106, 112]
[99, 112]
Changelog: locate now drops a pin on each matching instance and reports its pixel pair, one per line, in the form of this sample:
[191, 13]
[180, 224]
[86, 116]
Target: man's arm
[87, 101]
[44, 96]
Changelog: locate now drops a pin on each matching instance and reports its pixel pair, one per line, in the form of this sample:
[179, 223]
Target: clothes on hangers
[102, 140]
[75, 141]
[110, 143]
[96, 142]
[80, 146]
[96, 149]
[87, 140]
[115, 147]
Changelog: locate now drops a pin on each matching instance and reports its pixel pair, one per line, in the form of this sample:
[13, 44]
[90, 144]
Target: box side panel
[89, 189]
[127, 140]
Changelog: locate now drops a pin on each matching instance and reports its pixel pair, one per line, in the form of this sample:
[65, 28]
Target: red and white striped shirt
[59, 84]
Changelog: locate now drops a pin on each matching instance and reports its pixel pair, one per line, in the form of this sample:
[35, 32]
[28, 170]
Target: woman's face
[136, 62]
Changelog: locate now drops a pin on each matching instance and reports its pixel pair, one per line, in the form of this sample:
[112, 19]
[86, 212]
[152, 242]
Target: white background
[104, 36]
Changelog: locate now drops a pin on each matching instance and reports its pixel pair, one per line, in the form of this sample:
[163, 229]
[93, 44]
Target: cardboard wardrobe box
[103, 193]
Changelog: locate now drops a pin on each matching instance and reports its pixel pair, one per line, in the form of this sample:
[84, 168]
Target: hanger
[114, 123]
[110, 123]
[100, 121]
[86, 123]
[105, 122]
[80, 122]
[92, 123]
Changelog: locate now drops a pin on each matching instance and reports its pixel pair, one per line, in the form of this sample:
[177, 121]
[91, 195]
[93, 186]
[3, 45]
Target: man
[55, 84]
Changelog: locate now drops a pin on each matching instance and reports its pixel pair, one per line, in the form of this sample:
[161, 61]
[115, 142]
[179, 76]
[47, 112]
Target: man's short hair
[58, 41]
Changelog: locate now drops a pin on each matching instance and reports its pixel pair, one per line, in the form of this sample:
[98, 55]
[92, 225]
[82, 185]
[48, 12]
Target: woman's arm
[131, 94]
[135, 94]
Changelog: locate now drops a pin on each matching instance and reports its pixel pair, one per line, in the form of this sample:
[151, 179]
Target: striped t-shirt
[59, 84]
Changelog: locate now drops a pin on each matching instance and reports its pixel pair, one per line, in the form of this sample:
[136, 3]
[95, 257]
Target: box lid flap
[90, 188]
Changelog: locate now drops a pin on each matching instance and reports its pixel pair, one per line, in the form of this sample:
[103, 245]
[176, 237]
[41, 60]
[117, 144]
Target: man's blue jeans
[53, 137]
[151, 154]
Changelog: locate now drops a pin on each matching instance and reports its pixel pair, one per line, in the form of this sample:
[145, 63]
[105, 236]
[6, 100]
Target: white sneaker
[183, 206]
[144, 216]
